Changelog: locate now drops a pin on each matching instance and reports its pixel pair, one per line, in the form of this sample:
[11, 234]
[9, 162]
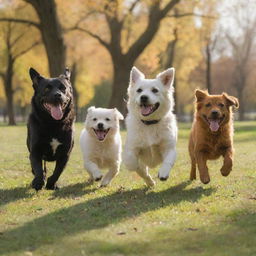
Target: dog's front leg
[202, 167]
[168, 162]
[228, 162]
[36, 164]
[59, 167]
[93, 170]
[113, 171]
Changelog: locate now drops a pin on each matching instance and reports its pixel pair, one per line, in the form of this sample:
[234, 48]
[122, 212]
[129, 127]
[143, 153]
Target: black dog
[50, 126]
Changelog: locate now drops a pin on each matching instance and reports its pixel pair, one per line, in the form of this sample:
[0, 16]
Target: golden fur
[212, 133]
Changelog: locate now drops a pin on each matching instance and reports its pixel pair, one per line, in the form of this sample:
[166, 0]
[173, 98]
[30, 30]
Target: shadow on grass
[94, 214]
[73, 190]
[238, 238]
[14, 194]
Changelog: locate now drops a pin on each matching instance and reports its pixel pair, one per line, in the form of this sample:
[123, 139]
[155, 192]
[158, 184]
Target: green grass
[177, 217]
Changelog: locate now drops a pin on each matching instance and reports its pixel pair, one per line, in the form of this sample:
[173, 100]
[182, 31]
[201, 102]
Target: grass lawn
[177, 217]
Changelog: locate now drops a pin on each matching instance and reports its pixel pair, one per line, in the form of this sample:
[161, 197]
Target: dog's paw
[163, 178]
[150, 183]
[225, 172]
[38, 183]
[205, 180]
[51, 186]
[98, 178]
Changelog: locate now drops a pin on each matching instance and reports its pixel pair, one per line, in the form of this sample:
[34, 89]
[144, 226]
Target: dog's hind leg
[202, 167]
[143, 173]
[113, 171]
[192, 158]
[193, 169]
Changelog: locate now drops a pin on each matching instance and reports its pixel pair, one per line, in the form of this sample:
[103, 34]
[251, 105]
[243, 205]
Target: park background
[212, 46]
[210, 43]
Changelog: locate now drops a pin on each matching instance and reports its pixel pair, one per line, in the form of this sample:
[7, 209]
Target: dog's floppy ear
[167, 77]
[135, 75]
[231, 101]
[118, 114]
[200, 95]
[35, 77]
[67, 73]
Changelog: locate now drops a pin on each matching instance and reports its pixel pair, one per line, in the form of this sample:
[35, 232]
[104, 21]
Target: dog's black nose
[144, 98]
[57, 95]
[100, 126]
[215, 113]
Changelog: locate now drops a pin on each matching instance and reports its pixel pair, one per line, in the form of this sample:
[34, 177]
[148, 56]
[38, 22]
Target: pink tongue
[214, 125]
[101, 135]
[146, 110]
[56, 112]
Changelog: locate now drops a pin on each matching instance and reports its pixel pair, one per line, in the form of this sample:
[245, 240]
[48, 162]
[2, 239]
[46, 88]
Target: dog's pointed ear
[135, 75]
[67, 73]
[90, 109]
[200, 95]
[167, 77]
[118, 114]
[231, 101]
[35, 77]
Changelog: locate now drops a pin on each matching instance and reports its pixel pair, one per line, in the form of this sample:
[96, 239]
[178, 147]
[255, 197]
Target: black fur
[52, 117]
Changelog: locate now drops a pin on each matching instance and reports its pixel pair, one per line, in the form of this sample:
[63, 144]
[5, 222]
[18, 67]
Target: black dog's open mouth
[101, 134]
[214, 124]
[56, 111]
[147, 109]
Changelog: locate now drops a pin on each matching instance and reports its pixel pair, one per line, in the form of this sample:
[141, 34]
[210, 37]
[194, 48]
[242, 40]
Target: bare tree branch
[181, 15]
[29, 22]
[168, 7]
[130, 10]
[26, 50]
[100, 40]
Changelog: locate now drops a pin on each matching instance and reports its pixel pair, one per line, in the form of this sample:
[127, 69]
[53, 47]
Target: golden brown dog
[212, 133]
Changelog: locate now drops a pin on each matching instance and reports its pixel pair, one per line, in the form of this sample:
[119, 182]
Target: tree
[51, 32]
[242, 44]
[116, 13]
[12, 42]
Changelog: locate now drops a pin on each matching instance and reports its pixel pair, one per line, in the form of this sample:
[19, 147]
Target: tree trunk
[52, 35]
[208, 68]
[73, 82]
[9, 91]
[169, 62]
[241, 105]
[121, 78]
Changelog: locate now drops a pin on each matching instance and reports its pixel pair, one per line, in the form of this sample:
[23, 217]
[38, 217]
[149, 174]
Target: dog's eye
[107, 119]
[208, 105]
[47, 88]
[62, 88]
[139, 90]
[221, 105]
[154, 90]
[94, 119]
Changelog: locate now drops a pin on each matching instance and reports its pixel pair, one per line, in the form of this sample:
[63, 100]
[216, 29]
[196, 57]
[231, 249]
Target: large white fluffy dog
[101, 143]
[151, 125]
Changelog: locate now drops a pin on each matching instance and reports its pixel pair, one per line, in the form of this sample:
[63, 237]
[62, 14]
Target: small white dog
[151, 125]
[101, 143]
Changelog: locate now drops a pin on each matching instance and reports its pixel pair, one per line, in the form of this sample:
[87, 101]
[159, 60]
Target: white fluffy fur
[101, 154]
[149, 145]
